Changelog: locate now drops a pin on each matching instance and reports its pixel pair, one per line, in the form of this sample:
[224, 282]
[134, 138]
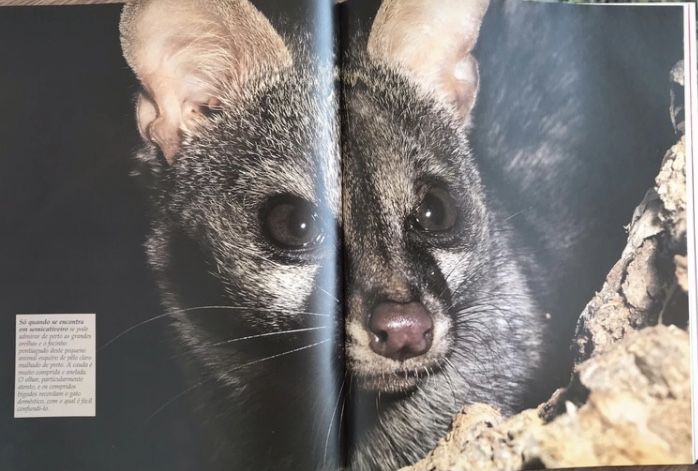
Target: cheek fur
[287, 287]
[454, 266]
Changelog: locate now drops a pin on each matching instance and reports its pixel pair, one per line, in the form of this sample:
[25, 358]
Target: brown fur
[30, 3]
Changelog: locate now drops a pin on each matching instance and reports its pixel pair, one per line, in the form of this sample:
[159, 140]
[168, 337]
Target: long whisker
[266, 334]
[341, 413]
[174, 398]
[201, 383]
[450, 384]
[305, 347]
[328, 294]
[518, 213]
[247, 337]
[334, 412]
[170, 313]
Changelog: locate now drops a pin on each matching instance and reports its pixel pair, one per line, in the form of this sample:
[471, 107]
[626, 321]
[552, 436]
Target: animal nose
[400, 330]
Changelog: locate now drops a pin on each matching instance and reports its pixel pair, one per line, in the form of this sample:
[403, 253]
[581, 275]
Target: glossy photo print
[242, 234]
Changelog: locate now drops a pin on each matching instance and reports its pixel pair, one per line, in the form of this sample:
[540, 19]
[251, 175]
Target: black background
[72, 227]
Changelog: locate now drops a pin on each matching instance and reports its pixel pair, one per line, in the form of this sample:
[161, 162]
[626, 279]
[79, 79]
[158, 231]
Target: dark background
[72, 227]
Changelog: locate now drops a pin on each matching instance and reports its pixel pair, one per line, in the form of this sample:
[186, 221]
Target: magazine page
[515, 234]
[227, 245]
[170, 266]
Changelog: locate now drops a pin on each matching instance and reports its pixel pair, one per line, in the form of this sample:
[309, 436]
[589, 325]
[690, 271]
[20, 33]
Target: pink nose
[400, 331]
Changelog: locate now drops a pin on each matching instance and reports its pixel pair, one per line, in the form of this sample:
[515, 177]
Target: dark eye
[437, 212]
[291, 223]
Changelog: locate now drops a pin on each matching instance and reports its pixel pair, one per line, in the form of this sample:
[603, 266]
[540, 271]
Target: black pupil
[433, 213]
[437, 212]
[299, 223]
[291, 223]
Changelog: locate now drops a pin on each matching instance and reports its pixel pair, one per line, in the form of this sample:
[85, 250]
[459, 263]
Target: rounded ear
[433, 42]
[191, 55]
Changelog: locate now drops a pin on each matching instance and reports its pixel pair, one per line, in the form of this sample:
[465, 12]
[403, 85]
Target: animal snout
[400, 330]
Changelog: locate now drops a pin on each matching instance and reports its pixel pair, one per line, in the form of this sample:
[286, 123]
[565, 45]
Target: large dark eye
[291, 223]
[437, 212]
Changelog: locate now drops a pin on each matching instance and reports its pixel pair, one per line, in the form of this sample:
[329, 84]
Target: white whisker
[328, 294]
[201, 308]
[266, 334]
[200, 383]
[334, 412]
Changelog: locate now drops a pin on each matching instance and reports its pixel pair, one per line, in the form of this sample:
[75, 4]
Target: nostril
[382, 335]
[400, 330]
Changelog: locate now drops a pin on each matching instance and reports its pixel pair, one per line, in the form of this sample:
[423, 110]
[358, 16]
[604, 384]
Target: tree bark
[628, 401]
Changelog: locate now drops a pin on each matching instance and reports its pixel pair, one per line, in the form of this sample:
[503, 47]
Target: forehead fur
[281, 136]
[390, 123]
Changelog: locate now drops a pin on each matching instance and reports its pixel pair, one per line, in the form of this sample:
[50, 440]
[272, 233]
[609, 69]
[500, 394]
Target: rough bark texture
[637, 411]
[628, 401]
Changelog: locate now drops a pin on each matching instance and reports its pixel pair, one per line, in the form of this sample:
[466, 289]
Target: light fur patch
[190, 56]
[31, 3]
[433, 42]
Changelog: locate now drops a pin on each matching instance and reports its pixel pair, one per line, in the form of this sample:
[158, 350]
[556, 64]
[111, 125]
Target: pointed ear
[433, 42]
[190, 55]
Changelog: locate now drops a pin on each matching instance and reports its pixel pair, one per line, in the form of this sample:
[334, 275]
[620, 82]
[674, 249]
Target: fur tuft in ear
[190, 55]
[433, 42]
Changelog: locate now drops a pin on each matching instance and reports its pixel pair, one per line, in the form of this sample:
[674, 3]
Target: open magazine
[453, 234]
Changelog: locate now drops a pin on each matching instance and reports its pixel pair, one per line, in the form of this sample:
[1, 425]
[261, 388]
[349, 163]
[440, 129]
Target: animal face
[258, 196]
[275, 204]
[430, 275]
[414, 224]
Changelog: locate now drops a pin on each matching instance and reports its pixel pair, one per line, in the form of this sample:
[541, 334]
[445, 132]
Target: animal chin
[395, 383]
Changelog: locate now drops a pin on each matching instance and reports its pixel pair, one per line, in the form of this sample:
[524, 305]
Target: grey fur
[282, 137]
[282, 134]
[394, 137]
